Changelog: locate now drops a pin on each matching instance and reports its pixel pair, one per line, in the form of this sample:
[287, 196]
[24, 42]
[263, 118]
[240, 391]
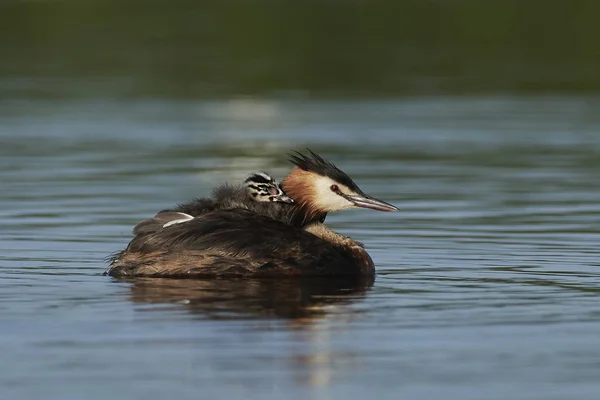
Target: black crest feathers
[312, 162]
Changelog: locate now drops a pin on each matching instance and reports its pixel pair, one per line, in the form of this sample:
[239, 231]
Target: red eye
[334, 188]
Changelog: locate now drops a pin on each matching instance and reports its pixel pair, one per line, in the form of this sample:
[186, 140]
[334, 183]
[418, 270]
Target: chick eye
[334, 188]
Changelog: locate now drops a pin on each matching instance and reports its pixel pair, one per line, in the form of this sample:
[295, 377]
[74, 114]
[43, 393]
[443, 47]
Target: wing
[231, 242]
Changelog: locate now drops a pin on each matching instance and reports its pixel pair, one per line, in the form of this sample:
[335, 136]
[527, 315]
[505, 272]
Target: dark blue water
[488, 280]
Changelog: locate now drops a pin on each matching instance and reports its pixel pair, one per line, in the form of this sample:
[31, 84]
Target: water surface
[488, 279]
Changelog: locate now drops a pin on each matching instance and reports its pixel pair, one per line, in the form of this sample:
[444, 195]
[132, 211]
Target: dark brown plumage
[237, 243]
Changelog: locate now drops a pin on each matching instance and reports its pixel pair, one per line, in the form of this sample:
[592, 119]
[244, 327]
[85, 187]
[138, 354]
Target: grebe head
[320, 187]
[262, 187]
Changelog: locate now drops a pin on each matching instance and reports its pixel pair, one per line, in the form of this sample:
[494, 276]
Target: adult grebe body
[252, 238]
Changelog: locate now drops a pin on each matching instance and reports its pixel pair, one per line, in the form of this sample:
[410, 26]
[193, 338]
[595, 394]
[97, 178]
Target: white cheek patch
[329, 199]
[184, 218]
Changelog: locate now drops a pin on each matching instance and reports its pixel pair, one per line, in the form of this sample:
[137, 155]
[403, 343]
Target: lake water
[488, 282]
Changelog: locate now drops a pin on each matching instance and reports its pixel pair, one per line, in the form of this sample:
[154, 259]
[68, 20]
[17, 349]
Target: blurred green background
[327, 48]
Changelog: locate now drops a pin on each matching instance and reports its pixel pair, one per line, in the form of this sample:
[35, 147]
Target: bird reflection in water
[252, 298]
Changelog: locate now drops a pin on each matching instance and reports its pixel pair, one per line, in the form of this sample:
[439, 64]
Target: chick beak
[283, 199]
[365, 201]
[278, 195]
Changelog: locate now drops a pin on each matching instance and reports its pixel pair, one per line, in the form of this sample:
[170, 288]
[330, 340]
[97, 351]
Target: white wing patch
[184, 218]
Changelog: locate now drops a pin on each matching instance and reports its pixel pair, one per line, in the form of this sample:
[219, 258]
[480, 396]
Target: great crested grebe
[258, 188]
[278, 240]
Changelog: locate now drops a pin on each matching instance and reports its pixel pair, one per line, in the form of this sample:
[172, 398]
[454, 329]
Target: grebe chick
[256, 190]
[262, 187]
[240, 242]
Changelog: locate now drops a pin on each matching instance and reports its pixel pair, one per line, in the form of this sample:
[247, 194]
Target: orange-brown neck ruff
[299, 186]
